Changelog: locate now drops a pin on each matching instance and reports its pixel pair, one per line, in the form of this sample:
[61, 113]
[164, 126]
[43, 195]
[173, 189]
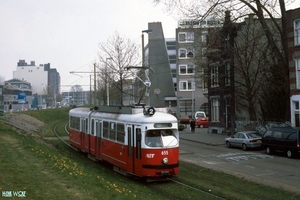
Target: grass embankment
[44, 172]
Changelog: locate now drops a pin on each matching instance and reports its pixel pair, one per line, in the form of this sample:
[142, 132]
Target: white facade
[36, 75]
[295, 111]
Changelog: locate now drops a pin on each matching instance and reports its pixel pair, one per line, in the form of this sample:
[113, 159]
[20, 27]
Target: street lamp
[147, 82]
[107, 85]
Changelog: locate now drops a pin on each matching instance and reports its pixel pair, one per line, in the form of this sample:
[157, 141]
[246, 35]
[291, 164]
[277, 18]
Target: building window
[214, 76]
[186, 37]
[204, 36]
[215, 106]
[297, 64]
[227, 74]
[182, 53]
[203, 78]
[297, 31]
[186, 53]
[186, 85]
[186, 69]
[296, 105]
[190, 53]
[173, 71]
[204, 50]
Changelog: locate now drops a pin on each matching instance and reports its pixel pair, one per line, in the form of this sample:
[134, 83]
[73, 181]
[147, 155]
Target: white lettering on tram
[150, 155]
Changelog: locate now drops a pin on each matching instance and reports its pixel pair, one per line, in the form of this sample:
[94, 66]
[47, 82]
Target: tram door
[98, 138]
[84, 132]
[130, 152]
[134, 148]
[138, 150]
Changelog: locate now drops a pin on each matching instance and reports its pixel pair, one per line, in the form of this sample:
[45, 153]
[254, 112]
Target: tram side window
[92, 127]
[130, 142]
[75, 123]
[86, 125]
[120, 133]
[112, 131]
[98, 128]
[138, 143]
[105, 129]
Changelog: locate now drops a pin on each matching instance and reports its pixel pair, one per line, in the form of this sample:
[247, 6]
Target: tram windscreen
[160, 138]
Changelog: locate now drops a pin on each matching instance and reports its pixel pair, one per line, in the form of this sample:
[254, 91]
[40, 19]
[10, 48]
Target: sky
[67, 33]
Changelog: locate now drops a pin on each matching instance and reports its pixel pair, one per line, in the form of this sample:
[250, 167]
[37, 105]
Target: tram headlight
[165, 161]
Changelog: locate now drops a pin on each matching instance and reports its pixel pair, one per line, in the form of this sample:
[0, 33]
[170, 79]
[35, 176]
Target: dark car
[244, 140]
[282, 139]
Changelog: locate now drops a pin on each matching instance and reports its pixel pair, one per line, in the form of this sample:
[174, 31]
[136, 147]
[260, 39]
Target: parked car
[184, 119]
[244, 140]
[202, 122]
[181, 127]
[200, 114]
[282, 139]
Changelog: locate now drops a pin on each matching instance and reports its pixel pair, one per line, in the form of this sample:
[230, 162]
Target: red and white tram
[135, 141]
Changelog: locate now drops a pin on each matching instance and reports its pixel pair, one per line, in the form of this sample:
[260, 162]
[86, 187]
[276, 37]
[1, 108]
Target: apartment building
[191, 54]
[44, 81]
[293, 27]
[17, 94]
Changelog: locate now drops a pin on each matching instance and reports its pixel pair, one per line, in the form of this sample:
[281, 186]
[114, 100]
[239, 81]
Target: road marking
[269, 172]
[210, 162]
[243, 156]
[234, 154]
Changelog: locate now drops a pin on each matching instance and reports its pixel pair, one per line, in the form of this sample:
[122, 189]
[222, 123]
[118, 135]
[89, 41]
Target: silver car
[244, 140]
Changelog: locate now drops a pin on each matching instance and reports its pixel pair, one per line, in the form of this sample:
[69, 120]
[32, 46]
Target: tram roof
[125, 114]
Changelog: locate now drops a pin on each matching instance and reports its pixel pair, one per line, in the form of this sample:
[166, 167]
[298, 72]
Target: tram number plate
[165, 173]
[164, 153]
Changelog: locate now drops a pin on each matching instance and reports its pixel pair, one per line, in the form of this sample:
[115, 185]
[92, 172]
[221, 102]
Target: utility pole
[95, 84]
[147, 81]
[75, 72]
[90, 89]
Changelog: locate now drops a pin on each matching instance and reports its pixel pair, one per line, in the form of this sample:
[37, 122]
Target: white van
[200, 114]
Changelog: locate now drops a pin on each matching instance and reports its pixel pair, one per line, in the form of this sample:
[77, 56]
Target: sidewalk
[201, 135]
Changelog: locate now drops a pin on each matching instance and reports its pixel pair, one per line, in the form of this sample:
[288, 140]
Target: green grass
[48, 169]
[50, 117]
[48, 173]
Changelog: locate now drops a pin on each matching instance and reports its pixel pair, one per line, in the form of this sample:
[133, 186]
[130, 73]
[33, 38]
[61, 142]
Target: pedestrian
[193, 124]
[10, 108]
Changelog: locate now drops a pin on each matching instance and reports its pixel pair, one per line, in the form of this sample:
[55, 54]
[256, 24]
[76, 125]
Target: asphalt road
[274, 170]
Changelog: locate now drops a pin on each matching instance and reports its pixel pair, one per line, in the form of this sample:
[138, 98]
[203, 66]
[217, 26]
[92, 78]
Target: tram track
[154, 185]
[169, 188]
[60, 138]
[197, 189]
[176, 186]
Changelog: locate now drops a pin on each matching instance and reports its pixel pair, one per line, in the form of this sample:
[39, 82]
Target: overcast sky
[66, 33]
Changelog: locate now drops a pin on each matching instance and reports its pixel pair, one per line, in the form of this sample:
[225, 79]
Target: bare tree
[264, 10]
[76, 92]
[2, 79]
[254, 60]
[115, 56]
[76, 88]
